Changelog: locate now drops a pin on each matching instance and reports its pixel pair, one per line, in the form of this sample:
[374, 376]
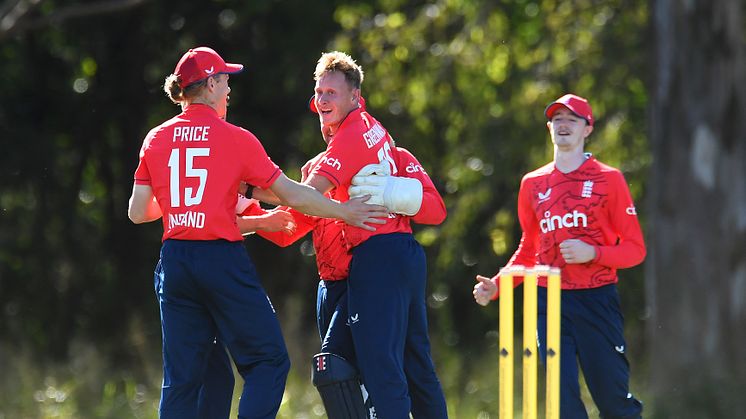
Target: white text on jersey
[571, 219]
[190, 133]
[186, 219]
[374, 135]
[414, 168]
[331, 161]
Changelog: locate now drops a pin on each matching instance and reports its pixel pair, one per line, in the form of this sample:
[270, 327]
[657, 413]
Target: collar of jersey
[588, 157]
[200, 108]
[347, 120]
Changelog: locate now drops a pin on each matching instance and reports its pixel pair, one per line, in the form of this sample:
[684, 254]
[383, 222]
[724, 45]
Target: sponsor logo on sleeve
[631, 210]
[414, 168]
[331, 161]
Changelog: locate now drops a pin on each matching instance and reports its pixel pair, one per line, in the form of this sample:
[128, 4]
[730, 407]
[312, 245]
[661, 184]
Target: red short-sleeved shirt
[359, 141]
[194, 162]
[332, 255]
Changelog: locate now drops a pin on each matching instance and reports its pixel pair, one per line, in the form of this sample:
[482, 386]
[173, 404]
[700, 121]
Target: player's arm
[303, 224]
[630, 248]
[433, 209]
[486, 288]
[143, 207]
[308, 199]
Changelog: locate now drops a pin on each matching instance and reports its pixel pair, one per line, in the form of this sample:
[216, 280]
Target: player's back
[196, 162]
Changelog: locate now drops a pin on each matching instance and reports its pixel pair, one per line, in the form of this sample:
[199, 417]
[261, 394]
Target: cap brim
[232, 68]
[552, 108]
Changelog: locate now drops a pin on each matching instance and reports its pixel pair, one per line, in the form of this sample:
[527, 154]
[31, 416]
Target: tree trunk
[696, 268]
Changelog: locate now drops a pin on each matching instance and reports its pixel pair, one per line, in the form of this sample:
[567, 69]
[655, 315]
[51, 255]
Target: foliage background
[461, 83]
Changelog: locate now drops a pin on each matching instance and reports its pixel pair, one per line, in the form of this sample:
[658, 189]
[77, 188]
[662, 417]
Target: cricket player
[189, 171]
[577, 214]
[387, 275]
[335, 370]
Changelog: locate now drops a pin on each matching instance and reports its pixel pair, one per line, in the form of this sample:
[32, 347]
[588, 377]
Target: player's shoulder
[405, 154]
[237, 132]
[607, 170]
[540, 172]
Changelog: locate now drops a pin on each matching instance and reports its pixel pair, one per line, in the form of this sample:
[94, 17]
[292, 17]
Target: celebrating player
[335, 369]
[387, 275]
[577, 214]
[189, 171]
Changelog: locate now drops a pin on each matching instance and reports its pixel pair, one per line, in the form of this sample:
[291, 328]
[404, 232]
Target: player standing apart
[577, 214]
[189, 171]
[386, 282]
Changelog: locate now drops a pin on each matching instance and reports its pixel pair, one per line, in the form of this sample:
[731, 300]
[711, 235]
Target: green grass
[89, 386]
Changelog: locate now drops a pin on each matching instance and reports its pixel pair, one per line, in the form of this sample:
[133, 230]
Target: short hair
[339, 61]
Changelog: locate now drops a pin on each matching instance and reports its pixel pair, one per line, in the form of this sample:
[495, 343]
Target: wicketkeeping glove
[398, 194]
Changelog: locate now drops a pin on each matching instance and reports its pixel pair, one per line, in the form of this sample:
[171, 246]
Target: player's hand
[306, 169]
[484, 290]
[278, 220]
[361, 214]
[576, 251]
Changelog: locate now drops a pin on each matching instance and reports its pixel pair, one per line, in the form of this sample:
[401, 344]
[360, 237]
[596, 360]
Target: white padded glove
[398, 194]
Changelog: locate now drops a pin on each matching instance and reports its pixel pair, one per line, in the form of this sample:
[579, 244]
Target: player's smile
[334, 98]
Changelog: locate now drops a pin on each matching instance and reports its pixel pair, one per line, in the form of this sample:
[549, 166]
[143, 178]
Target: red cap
[576, 104]
[200, 63]
[312, 104]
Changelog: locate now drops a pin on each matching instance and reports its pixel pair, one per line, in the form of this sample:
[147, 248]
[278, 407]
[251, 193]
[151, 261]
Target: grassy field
[88, 386]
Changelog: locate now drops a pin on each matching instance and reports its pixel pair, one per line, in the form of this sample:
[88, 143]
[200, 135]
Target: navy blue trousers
[209, 289]
[216, 394]
[388, 322]
[592, 335]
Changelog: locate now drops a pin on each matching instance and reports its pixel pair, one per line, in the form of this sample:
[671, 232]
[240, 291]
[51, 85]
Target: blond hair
[339, 61]
[178, 95]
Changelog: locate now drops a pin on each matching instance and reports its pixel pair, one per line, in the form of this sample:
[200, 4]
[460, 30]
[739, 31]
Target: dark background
[463, 85]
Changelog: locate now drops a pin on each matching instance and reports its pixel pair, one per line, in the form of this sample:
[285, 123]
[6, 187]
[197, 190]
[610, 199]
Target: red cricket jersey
[359, 141]
[332, 255]
[194, 162]
[591, 203]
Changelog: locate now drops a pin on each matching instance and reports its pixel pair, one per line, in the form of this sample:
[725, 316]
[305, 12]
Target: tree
[696, 270]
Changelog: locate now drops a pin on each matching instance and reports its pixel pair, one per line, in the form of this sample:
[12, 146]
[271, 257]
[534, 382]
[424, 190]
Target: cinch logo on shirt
[374, 135]
[571, 219]
[414, 168]
[331, 161]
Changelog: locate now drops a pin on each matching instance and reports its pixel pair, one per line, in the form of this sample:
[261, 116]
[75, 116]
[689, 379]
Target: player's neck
[568, 161]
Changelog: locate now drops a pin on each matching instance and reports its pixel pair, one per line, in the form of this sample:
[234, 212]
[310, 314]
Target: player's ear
[588, 130]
